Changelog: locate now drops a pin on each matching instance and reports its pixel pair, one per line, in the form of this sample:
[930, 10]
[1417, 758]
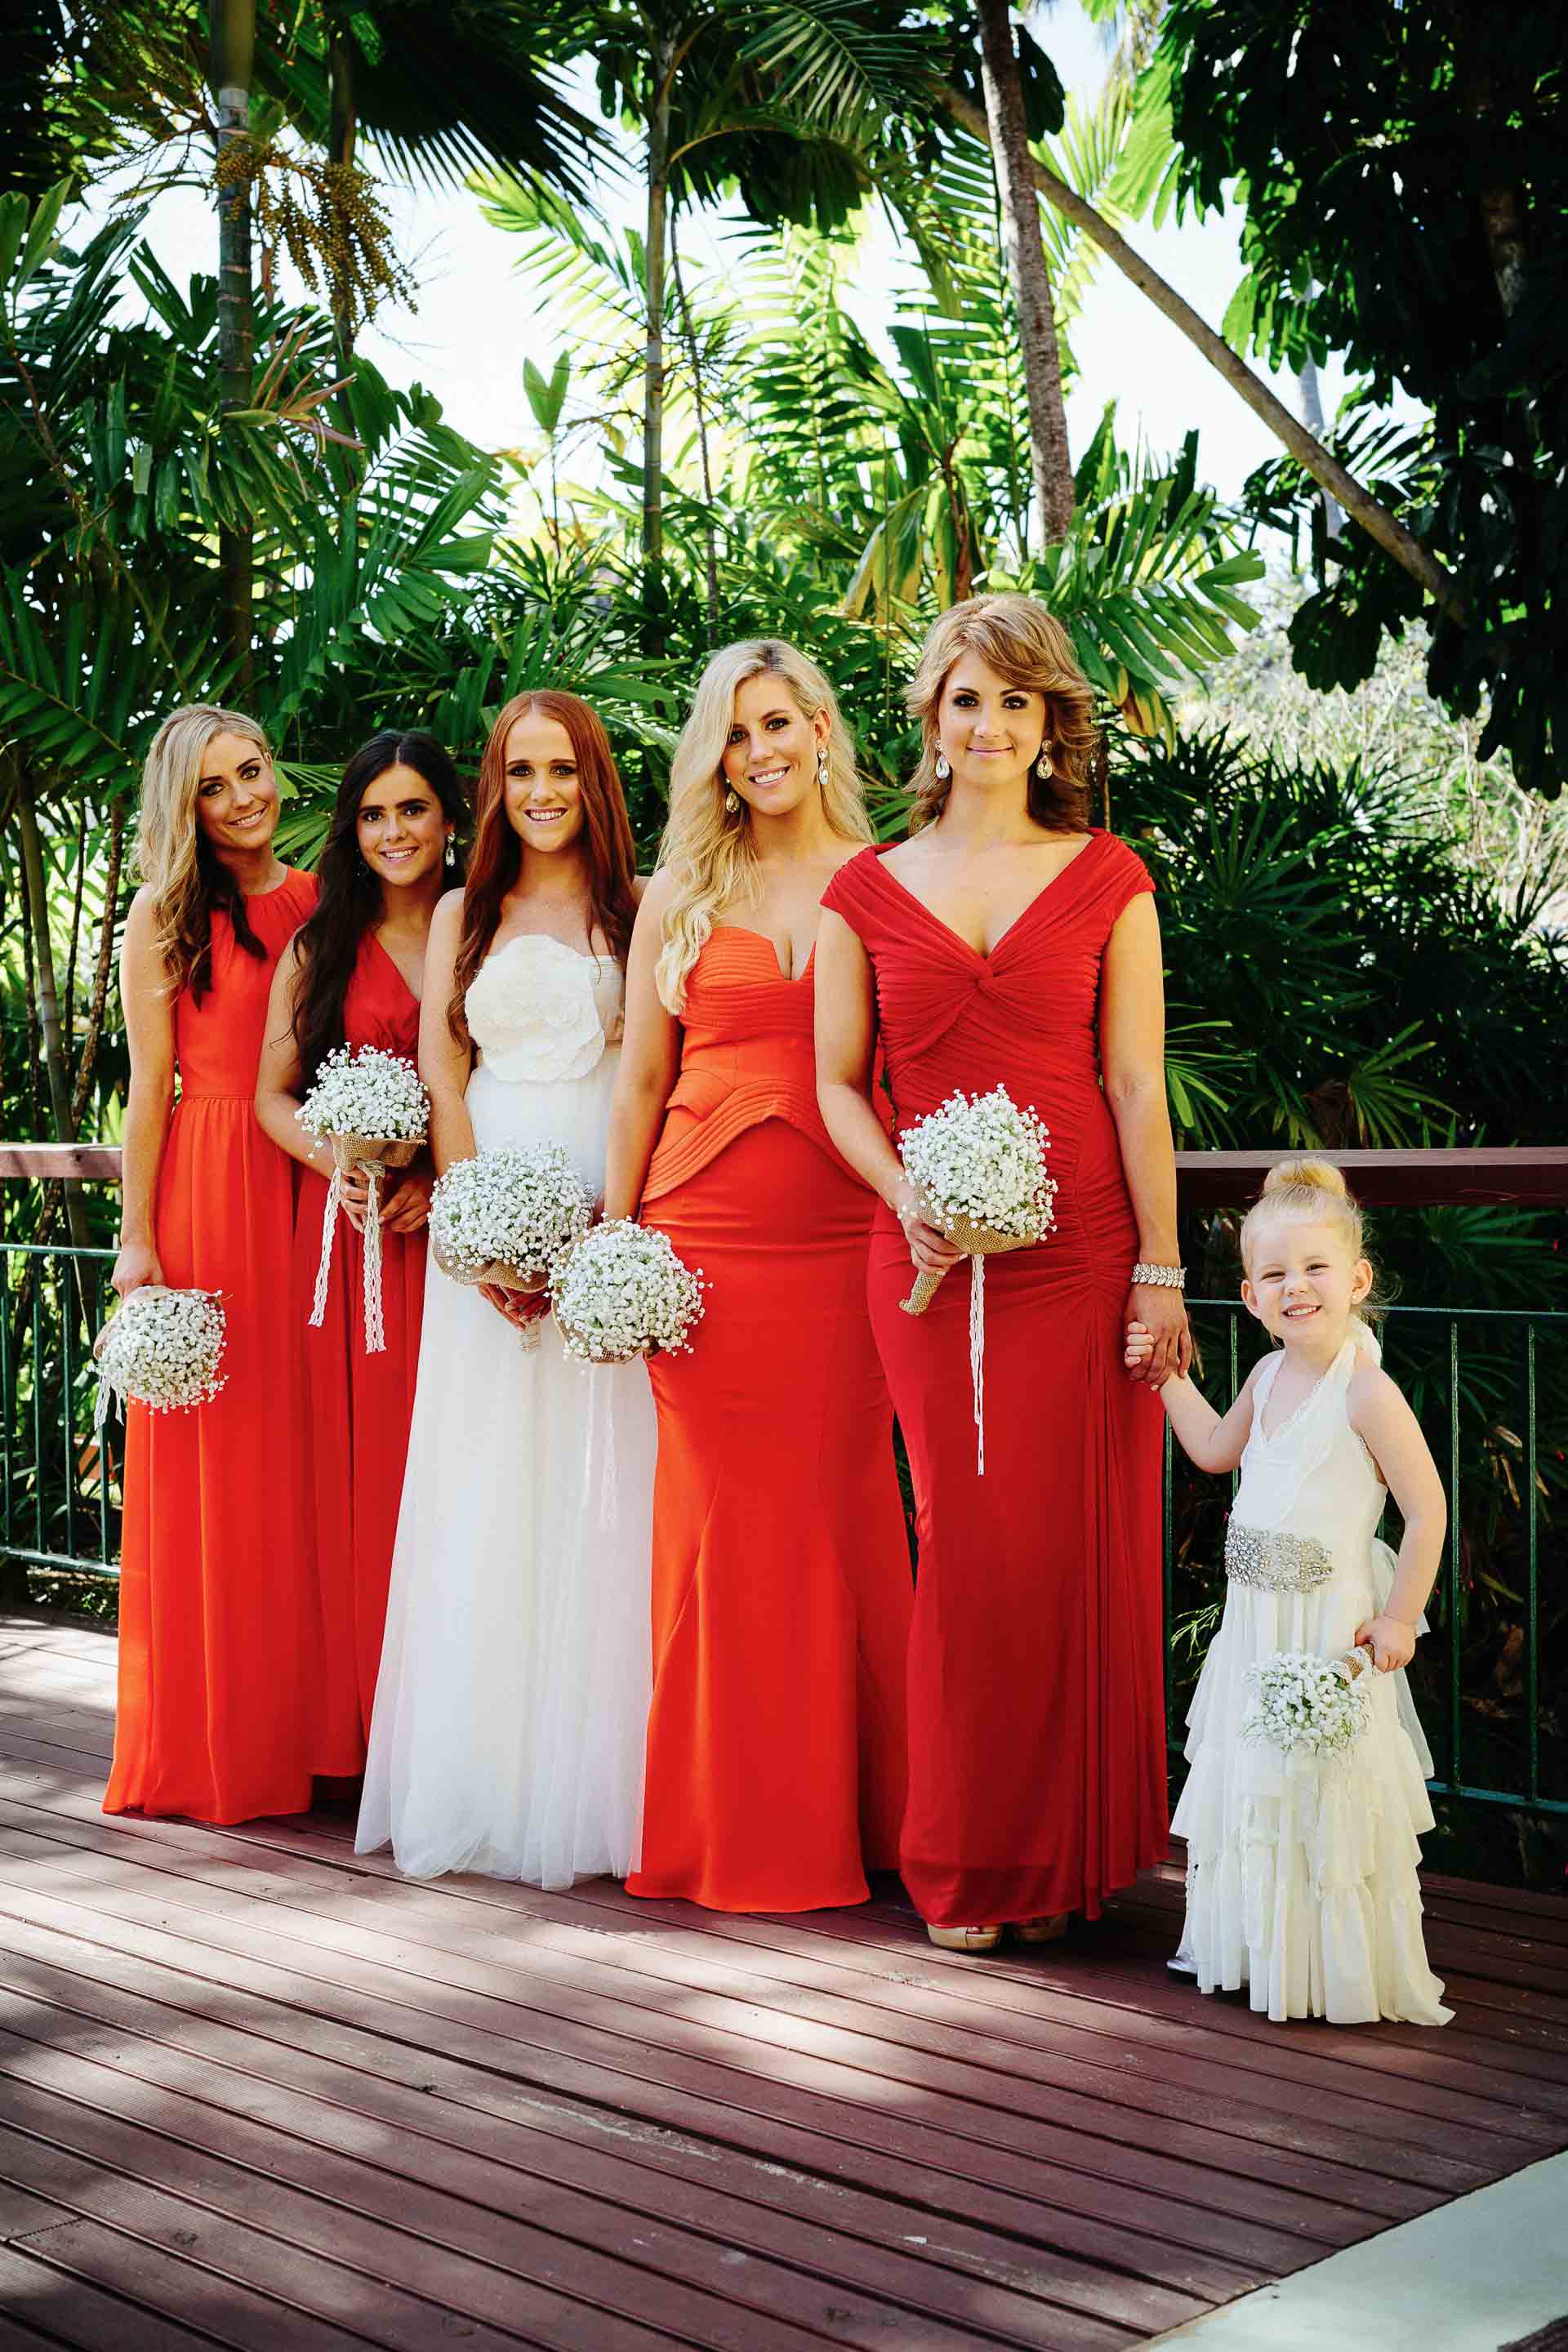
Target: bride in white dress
[511, 1709]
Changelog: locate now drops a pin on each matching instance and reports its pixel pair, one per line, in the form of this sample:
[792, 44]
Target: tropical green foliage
[1403, 175]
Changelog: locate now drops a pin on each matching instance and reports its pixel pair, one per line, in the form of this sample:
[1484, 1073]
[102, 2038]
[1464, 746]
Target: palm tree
[233, 31]
[1050, 465]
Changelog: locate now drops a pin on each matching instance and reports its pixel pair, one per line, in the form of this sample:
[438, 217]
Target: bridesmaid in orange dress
[215, 1599]
[353, 977]
[781, 1571]
[1006, 943]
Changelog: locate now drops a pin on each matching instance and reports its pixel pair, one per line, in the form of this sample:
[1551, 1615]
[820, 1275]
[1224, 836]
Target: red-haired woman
[509, 1712]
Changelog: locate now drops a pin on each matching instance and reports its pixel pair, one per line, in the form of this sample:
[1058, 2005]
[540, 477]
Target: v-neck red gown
[1037, 1710]
[781, 1567]
[215, 1594]
[359, 1405]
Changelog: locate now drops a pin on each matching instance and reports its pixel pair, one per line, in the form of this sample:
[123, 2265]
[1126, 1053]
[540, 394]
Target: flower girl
[1301, 1857]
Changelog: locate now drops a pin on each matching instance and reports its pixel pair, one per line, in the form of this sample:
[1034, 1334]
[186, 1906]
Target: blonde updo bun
[1309, 1190]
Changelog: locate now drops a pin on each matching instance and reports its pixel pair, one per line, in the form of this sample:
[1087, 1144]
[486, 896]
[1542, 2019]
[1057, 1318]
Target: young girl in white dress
[512, 1704]
[1301, 1870]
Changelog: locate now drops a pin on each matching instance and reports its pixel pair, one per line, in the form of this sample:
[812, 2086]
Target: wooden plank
[505, 2276]
[40, 2281]
[1531, 1173]
[494, 2163]
[875, 2148]
[1207, 1179]
[504, 2124]
[1184, 2063]
[724, 2044]
[1025, 2073]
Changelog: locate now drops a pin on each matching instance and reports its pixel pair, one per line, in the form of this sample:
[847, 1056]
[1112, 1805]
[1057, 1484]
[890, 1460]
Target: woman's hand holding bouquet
[372, 1109]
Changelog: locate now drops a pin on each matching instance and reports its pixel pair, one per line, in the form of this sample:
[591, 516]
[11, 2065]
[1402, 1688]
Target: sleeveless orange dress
[780, 1569]
[359, 1406]
[215, 1607]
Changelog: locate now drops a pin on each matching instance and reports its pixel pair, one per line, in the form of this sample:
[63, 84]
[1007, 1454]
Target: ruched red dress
[359, 1405]
[1037, 1712]
[215, 1609]
[780, 1569]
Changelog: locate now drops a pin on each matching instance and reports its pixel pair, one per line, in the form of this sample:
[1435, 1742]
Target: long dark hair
[352, 898]
[610, 853]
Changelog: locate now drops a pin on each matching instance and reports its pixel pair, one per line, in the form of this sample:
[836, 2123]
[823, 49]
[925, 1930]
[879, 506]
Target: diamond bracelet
[1164, 1277]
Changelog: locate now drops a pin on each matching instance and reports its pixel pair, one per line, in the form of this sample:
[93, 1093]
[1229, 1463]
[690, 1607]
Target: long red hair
[495, 860]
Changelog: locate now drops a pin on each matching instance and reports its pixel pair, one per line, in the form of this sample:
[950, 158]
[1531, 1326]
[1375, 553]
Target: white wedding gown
[512, 1700]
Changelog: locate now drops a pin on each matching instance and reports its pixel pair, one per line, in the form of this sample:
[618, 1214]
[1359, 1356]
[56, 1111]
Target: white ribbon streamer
[324, 1270]
[977, 1354]
[374, 1319]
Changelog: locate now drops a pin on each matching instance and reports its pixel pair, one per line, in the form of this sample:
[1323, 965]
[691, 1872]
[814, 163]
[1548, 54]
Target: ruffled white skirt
[1301, 1880]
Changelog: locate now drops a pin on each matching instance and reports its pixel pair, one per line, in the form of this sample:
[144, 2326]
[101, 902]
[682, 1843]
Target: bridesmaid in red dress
[1006, 942]
[214, 1601]
[780, 1569]
[353, 977]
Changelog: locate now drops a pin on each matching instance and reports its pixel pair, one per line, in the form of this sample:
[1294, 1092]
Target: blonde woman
[215, 1597]
[1006, 942]
[780, 1575]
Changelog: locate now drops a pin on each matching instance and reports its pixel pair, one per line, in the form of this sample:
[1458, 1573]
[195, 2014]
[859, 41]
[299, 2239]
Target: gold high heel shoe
[1041, 1931]
[965, 1940]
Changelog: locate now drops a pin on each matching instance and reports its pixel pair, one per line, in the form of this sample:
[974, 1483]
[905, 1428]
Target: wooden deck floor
[255, 2092]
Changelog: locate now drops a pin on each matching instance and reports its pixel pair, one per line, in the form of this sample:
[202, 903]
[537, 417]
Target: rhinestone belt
[1275, 1563]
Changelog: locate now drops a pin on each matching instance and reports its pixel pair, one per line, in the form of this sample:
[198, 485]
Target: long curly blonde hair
[1027, 645]
[185, 879]
[709, 852]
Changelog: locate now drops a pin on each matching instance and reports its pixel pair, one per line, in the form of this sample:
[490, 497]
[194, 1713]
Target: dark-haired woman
[352, 976]
[215, 1602]
[513, 1698]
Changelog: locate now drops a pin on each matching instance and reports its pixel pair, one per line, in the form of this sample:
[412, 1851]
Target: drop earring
[822, 772]
[451, 851]
[731, 802]
[1043, 767]
[942, 768]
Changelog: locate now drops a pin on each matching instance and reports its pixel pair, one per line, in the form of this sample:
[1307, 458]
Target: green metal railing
[1430, 1351]
[59, 1503]
[59, 1496]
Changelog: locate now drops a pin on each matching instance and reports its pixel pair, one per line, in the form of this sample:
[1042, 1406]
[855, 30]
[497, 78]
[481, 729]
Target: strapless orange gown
[215, 1609]
[359, 1406]
[780, 1570]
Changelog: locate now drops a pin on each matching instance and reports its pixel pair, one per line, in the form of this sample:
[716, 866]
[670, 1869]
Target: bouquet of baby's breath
[510, 1217]
[978, 1166]
[624, 1293]
[374, 1110]
[1314, 1705]
[164, 1348]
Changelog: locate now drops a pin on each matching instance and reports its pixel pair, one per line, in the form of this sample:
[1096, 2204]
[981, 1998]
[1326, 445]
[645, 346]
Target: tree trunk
[1312, 418]
[103, 972]
[232, 25]
[1050, 465]
[695, 357]
[342, 136]
[1358, 502]
[653, 360]
[34, 883]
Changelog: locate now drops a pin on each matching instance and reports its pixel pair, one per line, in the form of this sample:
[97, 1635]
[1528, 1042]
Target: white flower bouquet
[1307, 1705]
[373, 1109]
[978, 1166]
[510, 1217]
[624, 1293]
[164, 1348]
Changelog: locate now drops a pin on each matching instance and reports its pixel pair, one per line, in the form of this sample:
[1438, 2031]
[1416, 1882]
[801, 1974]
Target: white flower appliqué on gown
[512, 1699]
[1301, 1870]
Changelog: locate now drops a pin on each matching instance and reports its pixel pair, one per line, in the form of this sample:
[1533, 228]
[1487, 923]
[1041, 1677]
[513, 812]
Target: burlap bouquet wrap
[985, 1153]
[975, 1240]
[528, 1281]
[374, 1153]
